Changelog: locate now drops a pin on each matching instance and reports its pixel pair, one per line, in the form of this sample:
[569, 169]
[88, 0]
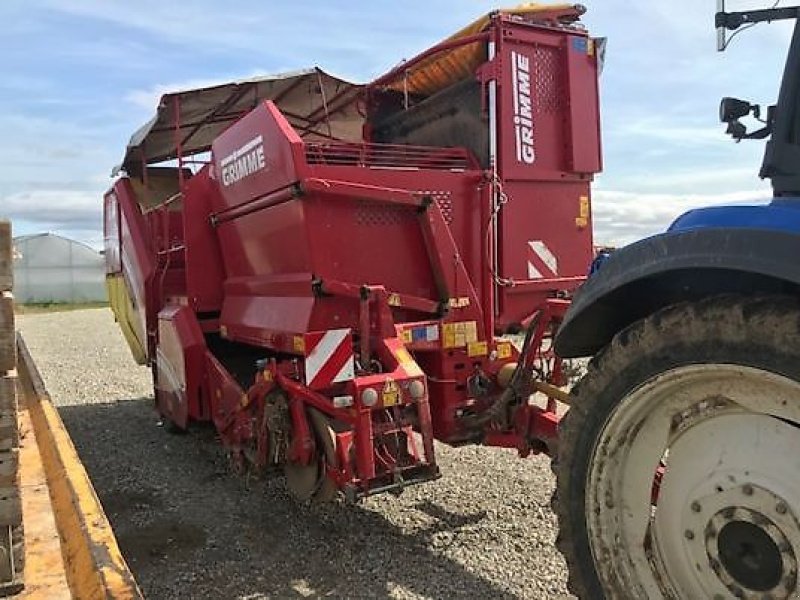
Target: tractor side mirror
[731, 109]
[736, 130]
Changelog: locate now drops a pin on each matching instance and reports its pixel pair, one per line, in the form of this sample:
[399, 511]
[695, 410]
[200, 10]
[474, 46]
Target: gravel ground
[190, 529]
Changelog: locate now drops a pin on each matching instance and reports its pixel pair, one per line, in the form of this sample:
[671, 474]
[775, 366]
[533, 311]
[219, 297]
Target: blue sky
[79, 76]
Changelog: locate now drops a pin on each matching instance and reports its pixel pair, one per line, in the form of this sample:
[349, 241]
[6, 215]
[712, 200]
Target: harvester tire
[677, 471]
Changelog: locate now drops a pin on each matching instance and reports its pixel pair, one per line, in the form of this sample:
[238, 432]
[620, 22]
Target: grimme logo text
[523, 115]
[243, 162]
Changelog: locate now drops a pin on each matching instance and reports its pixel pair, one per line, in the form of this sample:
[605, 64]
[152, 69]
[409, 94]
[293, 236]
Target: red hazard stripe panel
[329, 358]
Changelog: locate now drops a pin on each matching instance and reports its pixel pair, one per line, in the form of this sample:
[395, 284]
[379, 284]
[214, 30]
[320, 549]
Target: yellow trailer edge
[70, 548]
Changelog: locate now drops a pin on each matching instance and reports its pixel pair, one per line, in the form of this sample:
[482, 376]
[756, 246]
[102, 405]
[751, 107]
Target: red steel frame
[258, 264]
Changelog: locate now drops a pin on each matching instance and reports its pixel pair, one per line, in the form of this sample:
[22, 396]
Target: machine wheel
[310, 482]
[678, 473]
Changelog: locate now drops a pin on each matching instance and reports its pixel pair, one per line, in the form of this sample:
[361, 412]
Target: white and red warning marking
[329, 358]
[542, 263]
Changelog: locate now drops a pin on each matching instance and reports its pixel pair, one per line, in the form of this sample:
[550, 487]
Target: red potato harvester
[324, 271]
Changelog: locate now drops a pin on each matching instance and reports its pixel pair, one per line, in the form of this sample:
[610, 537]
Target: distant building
[51, 268]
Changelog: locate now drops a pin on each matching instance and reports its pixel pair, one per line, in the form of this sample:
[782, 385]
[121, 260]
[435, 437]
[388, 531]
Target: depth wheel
[678, 473]
[310, 482]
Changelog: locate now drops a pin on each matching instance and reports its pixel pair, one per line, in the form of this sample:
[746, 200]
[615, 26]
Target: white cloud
[54, 208]
[624, 217]
[668, 128]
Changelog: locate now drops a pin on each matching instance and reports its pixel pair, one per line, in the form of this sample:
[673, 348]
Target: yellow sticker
[267, 376]
[394, 300]
[223, 331]
[584, 207]
[477, 349]
[391, 393]
[582, 220]
[448, 335]
[590, 47]
[504, 350]
[459, 302]
[299, 344]
[407, 339]
[458, 335]
[470, 332]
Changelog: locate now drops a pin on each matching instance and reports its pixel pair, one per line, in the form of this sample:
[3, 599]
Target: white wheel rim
[731, 459]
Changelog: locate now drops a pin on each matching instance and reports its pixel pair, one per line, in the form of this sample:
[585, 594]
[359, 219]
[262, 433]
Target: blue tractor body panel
[782, 214]
[705, 252]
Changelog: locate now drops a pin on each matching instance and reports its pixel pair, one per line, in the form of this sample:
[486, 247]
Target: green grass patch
[48, 307]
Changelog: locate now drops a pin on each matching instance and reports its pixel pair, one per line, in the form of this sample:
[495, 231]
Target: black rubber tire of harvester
[754, 331]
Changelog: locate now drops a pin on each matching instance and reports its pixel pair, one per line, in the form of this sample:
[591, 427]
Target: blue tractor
[678, 470]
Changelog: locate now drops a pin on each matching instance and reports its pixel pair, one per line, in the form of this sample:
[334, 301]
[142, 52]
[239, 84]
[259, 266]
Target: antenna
[721, 31]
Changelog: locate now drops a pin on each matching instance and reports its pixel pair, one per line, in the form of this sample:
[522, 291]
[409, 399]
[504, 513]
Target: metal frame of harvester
[327, 287]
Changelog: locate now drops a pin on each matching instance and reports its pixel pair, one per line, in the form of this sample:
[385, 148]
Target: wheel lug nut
[781, 508]
[696, 506]
[689, 534]
[747, 489]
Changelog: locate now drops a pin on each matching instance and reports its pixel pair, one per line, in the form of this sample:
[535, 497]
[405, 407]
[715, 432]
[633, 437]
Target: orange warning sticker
[391, 393]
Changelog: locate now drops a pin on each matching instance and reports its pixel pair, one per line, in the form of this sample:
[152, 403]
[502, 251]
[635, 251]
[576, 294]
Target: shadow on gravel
[189, 529]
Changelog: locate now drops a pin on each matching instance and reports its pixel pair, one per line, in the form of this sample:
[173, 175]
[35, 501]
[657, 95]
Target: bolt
[696, 506]
[737, 591]
[781, 508]
[711, 532]
[728, 513]
[714, 564]
[689, 534]
[784, 547]
[747, 489]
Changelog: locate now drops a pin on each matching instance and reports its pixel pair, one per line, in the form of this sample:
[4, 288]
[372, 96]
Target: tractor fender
[676, 266]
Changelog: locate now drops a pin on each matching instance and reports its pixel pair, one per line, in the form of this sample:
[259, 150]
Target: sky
[79, 76]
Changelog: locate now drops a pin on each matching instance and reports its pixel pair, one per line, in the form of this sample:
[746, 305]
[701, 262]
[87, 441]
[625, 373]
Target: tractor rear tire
[677, 469]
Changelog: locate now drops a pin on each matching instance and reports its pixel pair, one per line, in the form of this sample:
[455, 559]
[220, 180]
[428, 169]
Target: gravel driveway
[190, 529]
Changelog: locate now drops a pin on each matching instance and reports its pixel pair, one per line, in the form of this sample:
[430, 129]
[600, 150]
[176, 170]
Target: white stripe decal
[533, 272]
[548, 258]
[319, 356]
[348, 371]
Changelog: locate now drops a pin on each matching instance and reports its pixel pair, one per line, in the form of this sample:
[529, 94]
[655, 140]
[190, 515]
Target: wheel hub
[743, 535]
[749, 556]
